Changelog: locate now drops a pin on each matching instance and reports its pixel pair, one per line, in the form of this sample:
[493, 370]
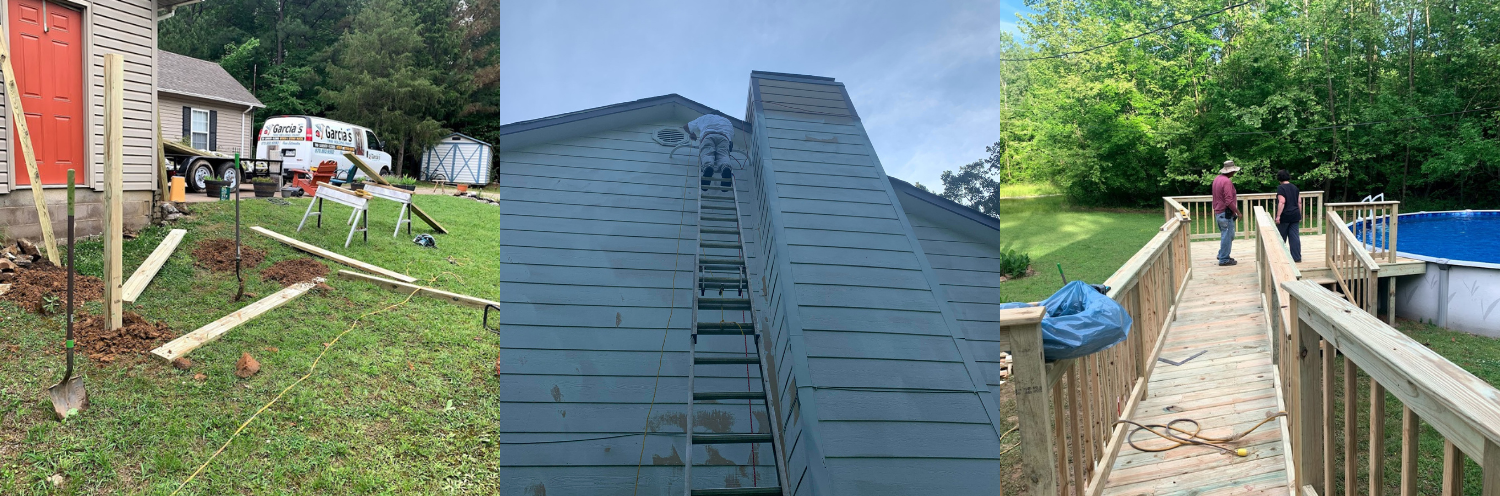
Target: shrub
[263, 180]
[1013, 265]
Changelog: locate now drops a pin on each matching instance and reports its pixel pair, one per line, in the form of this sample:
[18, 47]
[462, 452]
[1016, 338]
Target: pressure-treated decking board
[1228, 389]
[423, 290]
[148, 269]
[375, 176]
[332, 256]
[1314, 265]
[207, 334]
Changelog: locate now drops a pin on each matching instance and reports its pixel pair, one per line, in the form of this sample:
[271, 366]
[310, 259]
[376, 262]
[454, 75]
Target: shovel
[68, 396]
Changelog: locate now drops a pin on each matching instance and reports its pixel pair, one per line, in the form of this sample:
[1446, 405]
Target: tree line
[411, 70]
[1353, 97]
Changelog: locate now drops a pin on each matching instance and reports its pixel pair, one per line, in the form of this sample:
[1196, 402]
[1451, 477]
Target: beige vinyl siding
[234, 124]
[126, 27]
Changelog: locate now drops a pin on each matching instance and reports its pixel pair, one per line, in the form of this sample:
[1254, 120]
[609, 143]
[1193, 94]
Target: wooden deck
[1314, 266]
[1228, 389]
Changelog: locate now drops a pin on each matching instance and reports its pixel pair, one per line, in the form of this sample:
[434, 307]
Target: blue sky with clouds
[922, 74]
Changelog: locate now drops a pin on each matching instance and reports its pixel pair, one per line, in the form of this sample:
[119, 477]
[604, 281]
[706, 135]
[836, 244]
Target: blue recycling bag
[1080, 321]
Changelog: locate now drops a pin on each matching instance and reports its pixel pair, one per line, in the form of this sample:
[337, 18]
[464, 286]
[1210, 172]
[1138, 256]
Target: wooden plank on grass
[151, 266]
[333, 256]
[375, 176]
[207, 334]
[423, 290]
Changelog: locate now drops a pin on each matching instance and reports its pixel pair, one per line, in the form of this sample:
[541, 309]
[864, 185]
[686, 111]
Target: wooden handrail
[1464, 409]
[1067, 409]
[1341, 230]
[1198, 211]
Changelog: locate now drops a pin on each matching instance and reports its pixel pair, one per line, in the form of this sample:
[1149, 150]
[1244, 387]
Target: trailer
[197, 166]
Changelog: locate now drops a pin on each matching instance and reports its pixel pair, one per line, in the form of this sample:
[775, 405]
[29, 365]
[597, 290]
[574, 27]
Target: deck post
[1307, 436]
[1033, 406]
[1390, 301]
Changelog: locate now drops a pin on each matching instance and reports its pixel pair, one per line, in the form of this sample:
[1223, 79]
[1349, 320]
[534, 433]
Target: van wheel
[198, 173]
[385, 171]
[230, 174]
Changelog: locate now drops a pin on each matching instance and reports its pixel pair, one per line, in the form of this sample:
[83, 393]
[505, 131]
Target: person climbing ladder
[713, 151]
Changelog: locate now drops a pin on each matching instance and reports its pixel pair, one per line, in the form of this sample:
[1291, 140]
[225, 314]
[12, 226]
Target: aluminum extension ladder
[724, 273]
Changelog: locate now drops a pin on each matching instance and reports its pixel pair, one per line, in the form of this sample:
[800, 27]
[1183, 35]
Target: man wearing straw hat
[1225, 209]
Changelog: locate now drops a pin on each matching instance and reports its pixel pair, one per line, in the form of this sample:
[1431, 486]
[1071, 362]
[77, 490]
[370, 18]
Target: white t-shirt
[711, 123]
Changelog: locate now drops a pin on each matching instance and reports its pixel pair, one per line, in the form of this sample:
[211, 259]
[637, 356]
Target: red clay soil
[136, 336]
[42, 279]
[289, 272]
[218, 255]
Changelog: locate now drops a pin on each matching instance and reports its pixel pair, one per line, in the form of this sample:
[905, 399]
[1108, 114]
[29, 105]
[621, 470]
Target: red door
[46, 44]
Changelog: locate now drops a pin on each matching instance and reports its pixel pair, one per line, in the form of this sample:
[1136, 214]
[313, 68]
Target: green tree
[375, 79]
[976, 184]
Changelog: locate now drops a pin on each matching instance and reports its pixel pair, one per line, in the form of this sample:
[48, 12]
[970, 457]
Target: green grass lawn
[405, 403]
[1028, 189]
[1090, 244]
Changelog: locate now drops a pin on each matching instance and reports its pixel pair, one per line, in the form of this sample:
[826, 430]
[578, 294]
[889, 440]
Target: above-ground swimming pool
[1461, 288]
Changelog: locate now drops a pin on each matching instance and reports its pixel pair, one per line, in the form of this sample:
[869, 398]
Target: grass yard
[1090, 244]
[1028, 189]
[403, 404]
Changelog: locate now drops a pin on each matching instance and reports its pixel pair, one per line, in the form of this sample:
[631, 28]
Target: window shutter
[187, 123]
[213, 130]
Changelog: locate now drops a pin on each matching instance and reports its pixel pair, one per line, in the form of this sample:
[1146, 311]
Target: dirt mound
[289, 272]
[218, 255]
[135, 336]
[35, 284]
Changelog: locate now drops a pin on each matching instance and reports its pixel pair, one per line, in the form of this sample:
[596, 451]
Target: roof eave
[945, 204]
[255, 104]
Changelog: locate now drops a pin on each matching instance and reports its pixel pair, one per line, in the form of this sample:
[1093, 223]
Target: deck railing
[1067, 409]
[1354, 270]
[1462, 408]
[1200, 213]
[1374, 224]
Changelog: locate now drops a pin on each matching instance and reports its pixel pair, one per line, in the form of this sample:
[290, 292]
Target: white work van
[303, 142]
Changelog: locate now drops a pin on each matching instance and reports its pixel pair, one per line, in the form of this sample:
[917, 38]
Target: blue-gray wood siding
[595, 236]
[969, 271]
[881, 393]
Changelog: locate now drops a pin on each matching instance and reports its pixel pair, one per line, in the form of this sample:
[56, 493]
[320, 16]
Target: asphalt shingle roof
[185, 75]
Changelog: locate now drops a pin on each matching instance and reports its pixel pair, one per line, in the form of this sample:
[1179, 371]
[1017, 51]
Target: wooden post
[1491, 469]
[1453, 469]
[1308, 435]
[114, 126]
[28, 154]
[161, 166]
[1033, 404]
[1410, 429]
[1390, 301]
[1377, 437]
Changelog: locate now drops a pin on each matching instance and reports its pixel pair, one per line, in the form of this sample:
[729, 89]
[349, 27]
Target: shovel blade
[67, 396]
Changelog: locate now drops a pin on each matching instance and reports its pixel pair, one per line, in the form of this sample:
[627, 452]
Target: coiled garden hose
[1194, 437]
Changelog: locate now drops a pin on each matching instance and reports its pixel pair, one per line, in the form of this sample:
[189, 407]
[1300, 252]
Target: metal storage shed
[459, 159]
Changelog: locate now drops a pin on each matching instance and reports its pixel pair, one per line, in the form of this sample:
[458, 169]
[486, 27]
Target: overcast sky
[922, 74]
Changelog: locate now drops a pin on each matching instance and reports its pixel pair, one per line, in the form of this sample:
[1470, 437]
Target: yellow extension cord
[1194, 437]
[273, 401]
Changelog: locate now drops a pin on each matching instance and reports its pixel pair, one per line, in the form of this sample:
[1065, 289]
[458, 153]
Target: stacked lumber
[1005, 366]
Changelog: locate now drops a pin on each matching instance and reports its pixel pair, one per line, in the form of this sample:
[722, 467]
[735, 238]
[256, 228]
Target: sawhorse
[359, 220]
[397, 195]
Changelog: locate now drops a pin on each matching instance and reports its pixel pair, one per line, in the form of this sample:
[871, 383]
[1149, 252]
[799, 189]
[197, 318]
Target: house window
[200, 129]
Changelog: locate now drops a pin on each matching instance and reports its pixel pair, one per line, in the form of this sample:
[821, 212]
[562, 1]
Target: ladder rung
[739, 491]
[719, 207]
[730, 395]
[718, 230]
[719, 261]
[735, 280]
[713, 244]
[735, 328]
[730, 438]
[719, 218]
[723, 303]
[698, 360]
[718, 197]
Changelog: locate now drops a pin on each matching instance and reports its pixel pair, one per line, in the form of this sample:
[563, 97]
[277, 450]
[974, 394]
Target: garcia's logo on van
[333, 134]
[283, 128]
